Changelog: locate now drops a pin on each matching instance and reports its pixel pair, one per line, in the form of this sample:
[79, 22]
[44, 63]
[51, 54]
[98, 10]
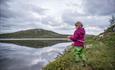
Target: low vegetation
[100, 54]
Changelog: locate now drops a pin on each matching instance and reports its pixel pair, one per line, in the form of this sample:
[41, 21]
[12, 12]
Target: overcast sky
[55, 15]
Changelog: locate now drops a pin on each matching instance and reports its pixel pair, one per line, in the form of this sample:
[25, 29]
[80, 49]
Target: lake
[29, 55]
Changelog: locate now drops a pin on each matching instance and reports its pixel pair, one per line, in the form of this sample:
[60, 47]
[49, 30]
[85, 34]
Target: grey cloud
[39, 10]
[49, 20]
[16, 16]
[98, 21]
[99, 7]
[3, 8]
[3, 1]
[69, 17]
[22, 14]
[19, 10]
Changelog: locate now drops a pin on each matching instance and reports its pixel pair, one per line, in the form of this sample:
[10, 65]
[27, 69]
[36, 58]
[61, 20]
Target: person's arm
[75, 36]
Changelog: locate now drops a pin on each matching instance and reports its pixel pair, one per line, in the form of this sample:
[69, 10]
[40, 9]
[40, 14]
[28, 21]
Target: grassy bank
[99, 53]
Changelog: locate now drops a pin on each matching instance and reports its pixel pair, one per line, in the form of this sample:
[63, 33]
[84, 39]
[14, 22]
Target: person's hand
[68, 37]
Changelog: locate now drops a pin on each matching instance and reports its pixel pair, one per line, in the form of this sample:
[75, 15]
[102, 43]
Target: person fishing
[78, 39]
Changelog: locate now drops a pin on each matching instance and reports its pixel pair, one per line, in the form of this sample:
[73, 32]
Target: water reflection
[33, 43]
[15, 57]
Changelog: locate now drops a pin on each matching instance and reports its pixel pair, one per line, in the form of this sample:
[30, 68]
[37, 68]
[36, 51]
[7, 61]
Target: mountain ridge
[32, 33]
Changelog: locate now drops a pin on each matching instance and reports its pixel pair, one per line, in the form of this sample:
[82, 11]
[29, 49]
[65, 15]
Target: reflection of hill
[32, 33]
[33, 43]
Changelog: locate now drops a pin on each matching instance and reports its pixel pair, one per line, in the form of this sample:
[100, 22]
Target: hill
[108, 37]
[32, 33]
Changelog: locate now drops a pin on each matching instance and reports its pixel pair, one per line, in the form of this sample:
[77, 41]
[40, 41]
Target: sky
[55, 15]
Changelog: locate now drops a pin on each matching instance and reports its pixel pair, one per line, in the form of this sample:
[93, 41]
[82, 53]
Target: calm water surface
[17, 57]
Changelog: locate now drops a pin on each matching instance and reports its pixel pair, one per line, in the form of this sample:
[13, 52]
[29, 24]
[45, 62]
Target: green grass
[65, 62]
[100, 55]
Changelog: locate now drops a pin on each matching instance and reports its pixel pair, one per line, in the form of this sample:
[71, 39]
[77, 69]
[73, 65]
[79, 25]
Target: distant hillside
[109, 36]
[111, 29]
[32, 33]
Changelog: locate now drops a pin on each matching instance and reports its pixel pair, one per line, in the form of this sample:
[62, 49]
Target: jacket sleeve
[75, 36]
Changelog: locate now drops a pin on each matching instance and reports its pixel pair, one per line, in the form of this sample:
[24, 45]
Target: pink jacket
[78, 37]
